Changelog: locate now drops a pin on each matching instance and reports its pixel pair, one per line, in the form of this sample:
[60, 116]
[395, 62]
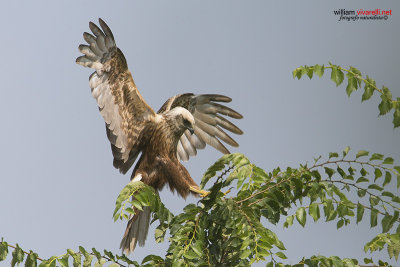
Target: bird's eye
[186, 122]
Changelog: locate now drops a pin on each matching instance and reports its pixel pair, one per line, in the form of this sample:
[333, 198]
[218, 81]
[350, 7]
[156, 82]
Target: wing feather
[101, 43]
[85, 49]
[196, 141]
[211, 140]
[218, 108]
[208, 122]
[182, 153]
[224, 123]
[187, 146]
[122, 107]
[217, 132]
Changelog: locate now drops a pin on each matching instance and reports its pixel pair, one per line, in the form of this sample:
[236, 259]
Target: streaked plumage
[184, 124]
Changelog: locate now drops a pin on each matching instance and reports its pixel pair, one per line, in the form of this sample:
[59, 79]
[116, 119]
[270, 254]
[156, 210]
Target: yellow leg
[197, 190]
[227, 192]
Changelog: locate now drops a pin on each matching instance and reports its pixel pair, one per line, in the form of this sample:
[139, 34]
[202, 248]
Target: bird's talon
[202, 193]
[227, 192]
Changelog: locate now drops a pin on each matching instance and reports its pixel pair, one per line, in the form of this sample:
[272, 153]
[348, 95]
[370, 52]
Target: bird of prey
[184, 124]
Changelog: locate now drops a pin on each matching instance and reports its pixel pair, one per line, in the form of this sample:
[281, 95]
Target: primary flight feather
[184, 124]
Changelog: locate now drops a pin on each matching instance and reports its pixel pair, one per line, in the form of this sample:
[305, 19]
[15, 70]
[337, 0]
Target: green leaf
[375, 187]
[337, 75]
[373, 200]
[362, 153]
[310, 72]
[96, 253]
[368, 91]
[374, 217]
[351, 84]
[346, 151]
[333, 155]
[152, 258]
[341, 172]
[362, 180]
[125, 259]
[386, 225]
[198, 249]
[388, 161]
[394, 219]
[298, 73]
[329, 171]
[289, 221]
[88, 258]
[378, 174]
[388, 178]
[301, 216]
[76, 256]
[64, 260]
[396, 117]
[396, 199]
[245, 254]
[17, 256]
[281, 255]
[351, 170]
[190, 254]
[31, 260]
[387, 194]
[304, 70]
[349, 177]
[361, 192]
[363, 172]
[339, 224]
[314, 211]
[3, 250]
[360, 212]
[356, 72]
[367, 261]
[376, 156]
[319, 70]
[397, 168]
[385, 106]
[109, 254]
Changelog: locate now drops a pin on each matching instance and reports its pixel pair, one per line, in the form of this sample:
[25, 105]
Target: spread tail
[136, 231]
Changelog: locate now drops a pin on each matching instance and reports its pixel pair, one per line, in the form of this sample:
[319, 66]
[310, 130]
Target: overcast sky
[58, 186]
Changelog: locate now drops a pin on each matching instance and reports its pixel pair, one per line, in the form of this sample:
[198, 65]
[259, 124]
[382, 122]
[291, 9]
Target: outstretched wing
[208, 123]
[120, 103]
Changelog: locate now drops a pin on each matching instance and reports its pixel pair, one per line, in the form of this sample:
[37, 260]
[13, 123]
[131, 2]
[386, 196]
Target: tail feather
[136, 231]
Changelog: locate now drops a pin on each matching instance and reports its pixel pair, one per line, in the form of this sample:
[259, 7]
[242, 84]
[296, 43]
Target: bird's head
[182, 120]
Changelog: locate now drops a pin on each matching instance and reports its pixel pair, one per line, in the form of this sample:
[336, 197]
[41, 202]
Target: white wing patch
[109, 111]
[100, 48]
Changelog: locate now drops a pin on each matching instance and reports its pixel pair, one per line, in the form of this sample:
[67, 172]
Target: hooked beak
[191, 130]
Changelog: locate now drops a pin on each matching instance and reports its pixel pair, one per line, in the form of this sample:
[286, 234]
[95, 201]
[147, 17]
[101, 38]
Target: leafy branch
[224, 230]
[354, 81]
[80, 258]
[275, 192]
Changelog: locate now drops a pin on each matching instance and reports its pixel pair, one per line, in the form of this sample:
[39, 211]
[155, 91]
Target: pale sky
[58, 185]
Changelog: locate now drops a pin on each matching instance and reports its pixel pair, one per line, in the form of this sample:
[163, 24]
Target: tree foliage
[225, 228]
[355, 80]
